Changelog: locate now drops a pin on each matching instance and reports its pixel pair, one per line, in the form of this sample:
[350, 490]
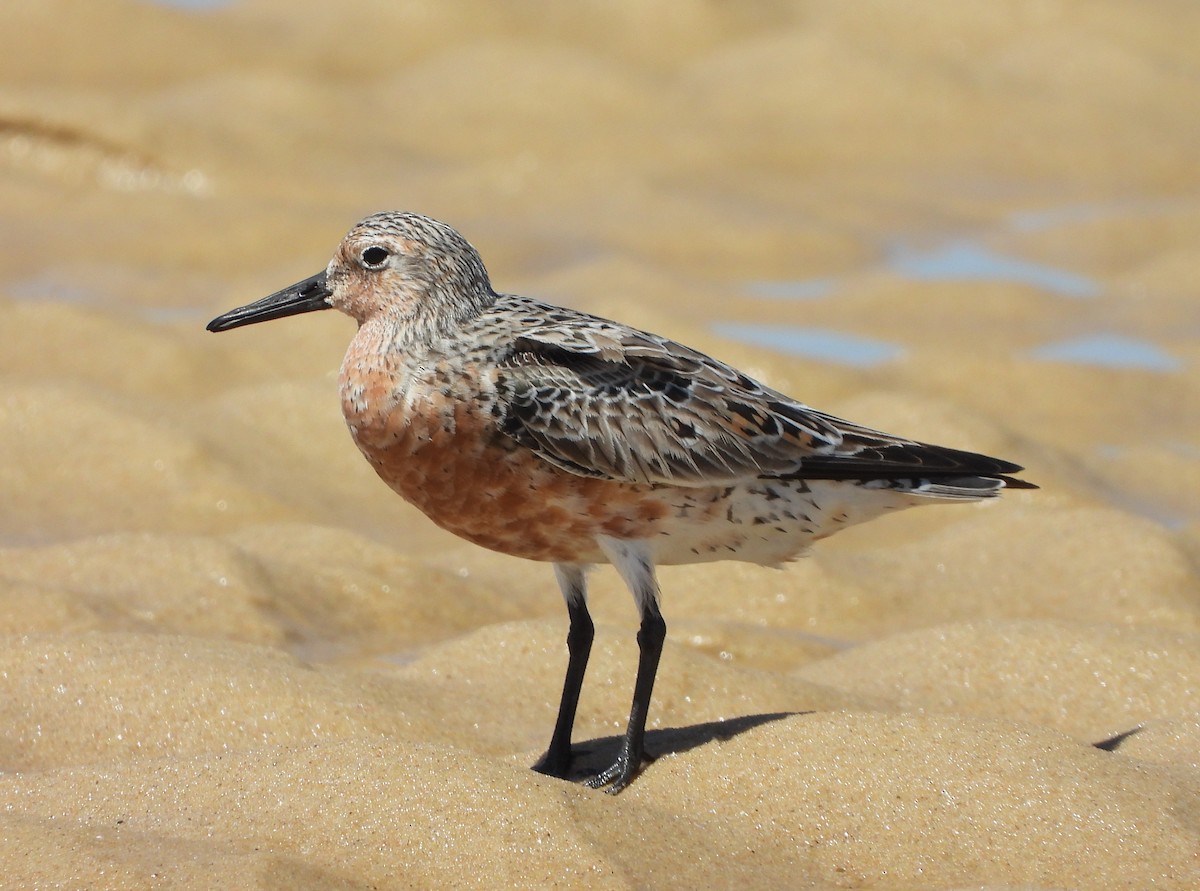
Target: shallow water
[964, 262]
[813, 343]
[1109, 351]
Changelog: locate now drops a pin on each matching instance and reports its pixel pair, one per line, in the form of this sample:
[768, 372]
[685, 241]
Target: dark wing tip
[1003, 470]
[1014, 483]
[912, 460]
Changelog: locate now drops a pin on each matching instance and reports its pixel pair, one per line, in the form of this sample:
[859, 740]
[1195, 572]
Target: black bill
[306, 296]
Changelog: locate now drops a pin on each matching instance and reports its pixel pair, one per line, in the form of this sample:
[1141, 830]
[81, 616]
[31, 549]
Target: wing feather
[603, 400]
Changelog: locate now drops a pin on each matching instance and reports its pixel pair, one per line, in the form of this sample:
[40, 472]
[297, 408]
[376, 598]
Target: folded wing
[603, 400]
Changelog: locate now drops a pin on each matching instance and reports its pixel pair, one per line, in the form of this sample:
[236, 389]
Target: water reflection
[813, 343]
[1108, 351]
[964, 261]
[958, 259]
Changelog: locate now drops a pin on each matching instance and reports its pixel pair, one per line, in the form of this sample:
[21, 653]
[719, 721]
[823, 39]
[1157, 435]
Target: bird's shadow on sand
[590, 757]
[594, 755]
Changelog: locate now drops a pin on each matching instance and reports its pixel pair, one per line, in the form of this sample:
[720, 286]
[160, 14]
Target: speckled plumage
[554, 435]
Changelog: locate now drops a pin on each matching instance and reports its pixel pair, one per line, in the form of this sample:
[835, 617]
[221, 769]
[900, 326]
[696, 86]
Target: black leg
[633, 749]
[557, 760]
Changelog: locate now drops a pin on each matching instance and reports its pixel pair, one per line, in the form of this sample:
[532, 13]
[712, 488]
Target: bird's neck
[414, 326]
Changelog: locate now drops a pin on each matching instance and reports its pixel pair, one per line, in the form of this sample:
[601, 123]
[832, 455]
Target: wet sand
[233, 658]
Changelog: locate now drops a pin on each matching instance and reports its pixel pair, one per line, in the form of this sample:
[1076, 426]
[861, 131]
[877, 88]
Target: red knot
[554, 435]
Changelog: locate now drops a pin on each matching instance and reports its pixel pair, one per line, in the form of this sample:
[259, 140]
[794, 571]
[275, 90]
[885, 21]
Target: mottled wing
[608, 401]
[600, 399]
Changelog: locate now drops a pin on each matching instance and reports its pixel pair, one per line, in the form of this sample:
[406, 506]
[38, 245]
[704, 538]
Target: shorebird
[554, 435]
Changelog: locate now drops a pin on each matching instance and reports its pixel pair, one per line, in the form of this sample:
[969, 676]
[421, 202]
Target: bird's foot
[555, 763]
[621, 772]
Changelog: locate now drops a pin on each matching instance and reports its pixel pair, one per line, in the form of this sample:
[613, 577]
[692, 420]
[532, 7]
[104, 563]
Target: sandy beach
[233, 658]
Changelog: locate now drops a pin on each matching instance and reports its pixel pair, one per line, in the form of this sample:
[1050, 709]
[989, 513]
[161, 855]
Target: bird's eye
[375, 257]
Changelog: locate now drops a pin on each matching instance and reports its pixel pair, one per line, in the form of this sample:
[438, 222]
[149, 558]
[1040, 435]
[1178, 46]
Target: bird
[554, 435]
